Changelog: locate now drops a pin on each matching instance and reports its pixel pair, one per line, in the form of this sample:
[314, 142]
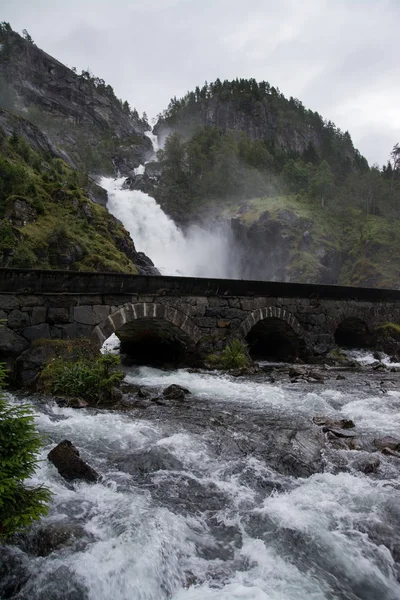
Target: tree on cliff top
[20, 504]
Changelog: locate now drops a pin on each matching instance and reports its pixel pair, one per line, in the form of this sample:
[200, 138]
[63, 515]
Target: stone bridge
[181, 319]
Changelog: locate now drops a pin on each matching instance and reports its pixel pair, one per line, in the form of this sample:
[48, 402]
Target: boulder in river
[49, 537]
[175, 392]
[367, 464]
[341, 433]
[65, 457]
[389, 442]
[335, 423]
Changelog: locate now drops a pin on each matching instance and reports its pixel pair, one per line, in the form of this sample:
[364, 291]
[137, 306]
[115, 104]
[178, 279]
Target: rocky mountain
[80, 113]
[302, 202]
[262, 113]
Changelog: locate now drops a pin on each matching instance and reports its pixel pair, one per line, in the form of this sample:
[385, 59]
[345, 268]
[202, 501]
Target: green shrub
[20, 504]
[387, 330]
[89, 378]
[233, 356]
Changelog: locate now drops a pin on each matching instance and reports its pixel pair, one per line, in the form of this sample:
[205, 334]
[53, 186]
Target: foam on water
[307, 541]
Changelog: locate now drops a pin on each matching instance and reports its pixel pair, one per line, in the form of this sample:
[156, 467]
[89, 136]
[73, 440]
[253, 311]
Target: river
[226, 495]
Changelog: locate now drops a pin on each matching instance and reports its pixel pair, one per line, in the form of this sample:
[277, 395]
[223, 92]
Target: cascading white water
[199, 252]
[196, 253]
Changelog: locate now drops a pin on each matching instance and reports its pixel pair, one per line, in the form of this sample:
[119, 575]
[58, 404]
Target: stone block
[84, 315]
[223, 324]
[11, 343]
[118, 319]
[59, 315]
[91, 300]
[225, 313]
[215, 301]
[207, 322]
[60, 300]
[100, 312]
[76, 330]
[146, 298]
[18, 319]
[8, 301]
[30, 300]
[117, 300]
[234, 302]
[39, 315]
[37, 332]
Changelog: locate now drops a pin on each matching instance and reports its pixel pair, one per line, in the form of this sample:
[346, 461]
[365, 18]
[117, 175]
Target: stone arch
[145, 310]
[354, 332]
[270, 312]
[273, 333]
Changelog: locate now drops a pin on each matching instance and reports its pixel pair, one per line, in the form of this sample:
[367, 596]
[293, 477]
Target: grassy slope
[371, 245]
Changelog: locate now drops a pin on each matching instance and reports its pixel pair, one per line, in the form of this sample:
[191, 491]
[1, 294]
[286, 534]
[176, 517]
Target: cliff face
[80, 114]
[262, 113]
[257, 120]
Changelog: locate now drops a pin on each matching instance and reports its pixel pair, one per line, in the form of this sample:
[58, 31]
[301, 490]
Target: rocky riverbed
[278, 485]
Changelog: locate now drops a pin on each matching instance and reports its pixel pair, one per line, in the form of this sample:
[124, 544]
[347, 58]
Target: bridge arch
[151, 332]
[274, 333]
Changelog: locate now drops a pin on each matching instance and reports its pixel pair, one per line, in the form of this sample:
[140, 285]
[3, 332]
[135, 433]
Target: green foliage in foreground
[233, 356]
[20, 504]
[91, 379]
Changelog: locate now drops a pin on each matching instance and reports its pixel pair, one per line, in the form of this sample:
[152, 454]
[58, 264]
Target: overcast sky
[339, 57]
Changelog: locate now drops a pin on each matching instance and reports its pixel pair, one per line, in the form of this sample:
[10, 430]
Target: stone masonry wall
[206, 321]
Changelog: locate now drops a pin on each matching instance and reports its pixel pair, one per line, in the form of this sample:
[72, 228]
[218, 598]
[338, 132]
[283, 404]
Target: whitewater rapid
[194, 506]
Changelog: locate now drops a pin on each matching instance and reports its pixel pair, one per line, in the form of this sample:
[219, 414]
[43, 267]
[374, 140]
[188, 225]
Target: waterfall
[198, 252]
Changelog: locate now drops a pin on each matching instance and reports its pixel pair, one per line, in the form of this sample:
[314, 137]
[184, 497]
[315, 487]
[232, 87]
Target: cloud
[339, 58]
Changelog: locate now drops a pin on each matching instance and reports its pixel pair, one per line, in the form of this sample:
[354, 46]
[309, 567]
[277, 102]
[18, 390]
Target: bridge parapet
[200, 312]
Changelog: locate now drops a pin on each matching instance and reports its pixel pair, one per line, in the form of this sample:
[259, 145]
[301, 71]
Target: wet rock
[311, 376]
[175, 392]
[245, 371]
[301, 456]
[154, 459]
[379, 367]
[337, 443]
[76, 403]
[57, 583]
[129, 388]
[315, 376]
[341, 433]
[335, 423]
[367, 464]
[389, 442]
[295, 372]
[390, 452]
[49, 537]
[14, 571]
[183, 493]
[143, 393]
[65, 457]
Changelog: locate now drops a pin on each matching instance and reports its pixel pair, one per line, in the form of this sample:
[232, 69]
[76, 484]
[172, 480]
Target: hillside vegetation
[47, 220]
[301, 197]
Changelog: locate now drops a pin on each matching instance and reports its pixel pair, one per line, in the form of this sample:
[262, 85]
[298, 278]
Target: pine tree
[20, 504]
